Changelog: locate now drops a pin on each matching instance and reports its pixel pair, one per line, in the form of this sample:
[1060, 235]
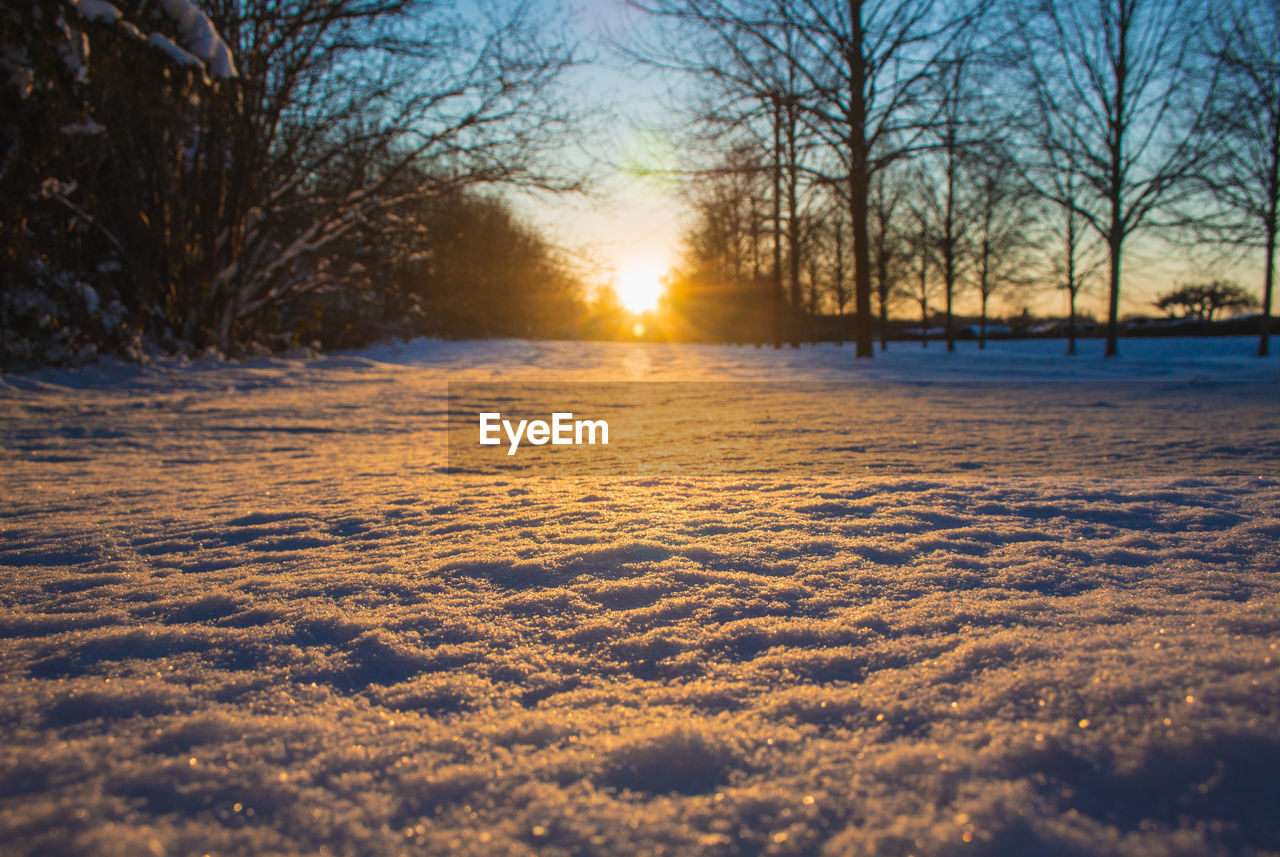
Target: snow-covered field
[247, 610]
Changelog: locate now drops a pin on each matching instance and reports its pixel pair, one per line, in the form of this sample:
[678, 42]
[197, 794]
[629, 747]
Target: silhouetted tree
[1002, 218]
[920, 286]
[1109, 84]
[889, 251]
[840, 292]
[78, 85]
[871, 63]
[724, 288]
[1240, 171]
[745, 59]
[947, 186]
[1073, 260]
[864, 67]
[1201, 301]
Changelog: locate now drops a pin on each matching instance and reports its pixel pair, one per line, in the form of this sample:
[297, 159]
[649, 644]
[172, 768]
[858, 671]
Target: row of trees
[272, 171]
[862, 152]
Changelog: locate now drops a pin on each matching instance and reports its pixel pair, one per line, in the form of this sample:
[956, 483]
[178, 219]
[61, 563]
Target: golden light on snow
[640, 287]
[688, 644]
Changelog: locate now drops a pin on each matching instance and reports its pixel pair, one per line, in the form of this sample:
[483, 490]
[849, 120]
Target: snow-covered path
[246, 610]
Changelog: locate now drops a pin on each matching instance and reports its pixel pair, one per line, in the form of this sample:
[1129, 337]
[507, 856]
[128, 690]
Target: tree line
[240, 174]
[861, 154]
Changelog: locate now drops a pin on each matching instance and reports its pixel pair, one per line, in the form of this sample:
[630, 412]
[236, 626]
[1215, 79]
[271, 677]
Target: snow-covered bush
[53, 317]
[83, 84]
[226, 172]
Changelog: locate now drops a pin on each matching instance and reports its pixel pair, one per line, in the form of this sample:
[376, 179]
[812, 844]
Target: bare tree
[732, 219]
[354, 106]
[724, 286]
[1002, 218]
[1240, 172]
[230, 196]
[816, 262]
[947, 186]
[1201, 301]
[920, 287]
[866, 64]
[870, 63]
[744, 58]
[1074, 261]
[1108, 84]
[888, 251]
[839, 279]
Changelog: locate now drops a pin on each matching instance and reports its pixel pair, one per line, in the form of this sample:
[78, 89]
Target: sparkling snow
[246, 611]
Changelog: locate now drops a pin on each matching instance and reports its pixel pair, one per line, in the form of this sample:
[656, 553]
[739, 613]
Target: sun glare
[640, 288]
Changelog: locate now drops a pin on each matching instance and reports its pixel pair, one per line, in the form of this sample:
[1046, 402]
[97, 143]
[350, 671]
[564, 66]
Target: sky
[629, 224]
[631, 227]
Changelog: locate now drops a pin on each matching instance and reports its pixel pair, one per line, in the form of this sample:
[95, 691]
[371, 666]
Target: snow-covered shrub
[156, 153]
[85, 96]
[53, 317]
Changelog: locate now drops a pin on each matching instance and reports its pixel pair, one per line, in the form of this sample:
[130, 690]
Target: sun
[640, 288]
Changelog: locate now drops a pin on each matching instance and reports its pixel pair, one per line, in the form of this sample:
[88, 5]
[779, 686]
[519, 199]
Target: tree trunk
[793, 217]
[1114, 242]
[951, 333]
[839, 277]
[1071, 323]
[948, 245]
[1268, 270]
[882, 282]
[1264, 335]
[863, 332]
[777, 225]
[858, 184]
[1072, 287]
[884, 318]
[982, 323]
[1115, 235]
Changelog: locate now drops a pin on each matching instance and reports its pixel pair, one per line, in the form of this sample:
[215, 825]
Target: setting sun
[640, 288]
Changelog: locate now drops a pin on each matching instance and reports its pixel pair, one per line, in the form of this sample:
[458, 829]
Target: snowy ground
[246, 610]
